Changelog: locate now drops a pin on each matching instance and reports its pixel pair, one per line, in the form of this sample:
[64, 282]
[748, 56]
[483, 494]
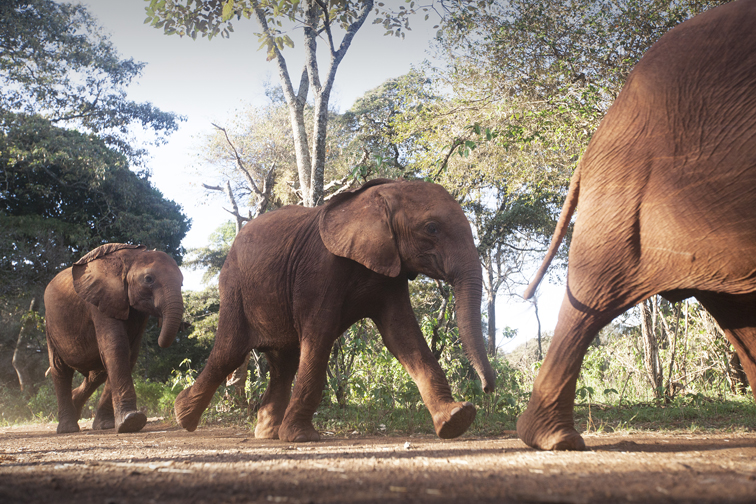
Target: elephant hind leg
[233, 342]
[192, 401]
[62, 376]
[308, 390]
[283, 367]
[83, 392]
[548, 422]
[736, 315]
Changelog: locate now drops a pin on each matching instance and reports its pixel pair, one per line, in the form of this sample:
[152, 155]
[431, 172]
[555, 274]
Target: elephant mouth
[411, 275]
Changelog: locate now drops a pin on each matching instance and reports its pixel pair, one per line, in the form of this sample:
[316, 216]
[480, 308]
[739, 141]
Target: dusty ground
[165, 464]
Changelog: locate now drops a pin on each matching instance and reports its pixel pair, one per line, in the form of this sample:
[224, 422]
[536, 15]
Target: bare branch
[457, 142]
[239, 161]
[343, 182]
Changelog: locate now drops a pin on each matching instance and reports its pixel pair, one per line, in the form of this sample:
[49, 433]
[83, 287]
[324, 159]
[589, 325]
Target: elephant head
[116, 277]
[405, 228]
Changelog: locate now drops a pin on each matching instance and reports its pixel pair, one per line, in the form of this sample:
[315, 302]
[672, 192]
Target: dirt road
[163, 464]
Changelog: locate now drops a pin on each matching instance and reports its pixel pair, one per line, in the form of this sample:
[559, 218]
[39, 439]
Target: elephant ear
[357, 225]
[100, 279]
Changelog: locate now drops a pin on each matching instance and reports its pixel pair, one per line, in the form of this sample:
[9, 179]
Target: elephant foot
[184, 410]
[266, 431]
[104, 424]
[132, 422]
[454, 420]
[66, 427]
[298, 433]
[539, 432]
[103, 420]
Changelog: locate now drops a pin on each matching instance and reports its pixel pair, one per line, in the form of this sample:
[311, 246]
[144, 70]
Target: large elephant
[297, 278]
[96, 312]
[667, 205]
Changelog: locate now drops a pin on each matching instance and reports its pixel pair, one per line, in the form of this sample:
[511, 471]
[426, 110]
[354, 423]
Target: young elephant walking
[297, 278]
[96, 312]
[667, 199]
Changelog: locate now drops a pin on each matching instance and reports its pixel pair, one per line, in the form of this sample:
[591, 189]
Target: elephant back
[104, 250]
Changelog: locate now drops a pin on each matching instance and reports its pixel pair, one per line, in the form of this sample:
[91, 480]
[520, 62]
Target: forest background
[499, 115]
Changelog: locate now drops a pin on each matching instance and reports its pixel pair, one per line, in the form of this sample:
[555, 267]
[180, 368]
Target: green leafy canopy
[56, 62]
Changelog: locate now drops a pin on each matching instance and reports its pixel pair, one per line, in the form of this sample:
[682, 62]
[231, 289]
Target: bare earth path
[165, 464]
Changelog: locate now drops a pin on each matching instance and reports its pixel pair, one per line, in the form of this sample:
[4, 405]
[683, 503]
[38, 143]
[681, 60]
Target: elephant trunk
[468, 288]
[173, 311]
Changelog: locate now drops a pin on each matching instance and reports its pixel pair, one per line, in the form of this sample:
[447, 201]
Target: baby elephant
[96, 312]
[297, 278]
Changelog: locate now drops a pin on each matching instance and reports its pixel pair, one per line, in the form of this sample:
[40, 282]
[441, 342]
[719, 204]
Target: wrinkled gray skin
[96, 312]
[666, 199]
[297, 278]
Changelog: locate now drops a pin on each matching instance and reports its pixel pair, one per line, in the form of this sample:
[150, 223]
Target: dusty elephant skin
[96, 312]
[667, 199]
[297, 278]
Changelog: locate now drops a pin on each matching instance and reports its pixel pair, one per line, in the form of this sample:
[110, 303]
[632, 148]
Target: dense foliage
[66, 152]
[64, 193]
[56, 62]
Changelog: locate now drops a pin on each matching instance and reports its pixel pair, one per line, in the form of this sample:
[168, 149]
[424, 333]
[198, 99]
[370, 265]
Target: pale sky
[207, 81]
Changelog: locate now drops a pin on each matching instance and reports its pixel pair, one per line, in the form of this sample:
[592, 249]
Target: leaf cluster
[213, 18]
[56, 62]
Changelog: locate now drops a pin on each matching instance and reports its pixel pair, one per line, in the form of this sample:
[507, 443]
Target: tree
[371, 122]
[64, 193]
[212, 257]
[55, 62]
[526, 83]
[319, 20]
[65, 147]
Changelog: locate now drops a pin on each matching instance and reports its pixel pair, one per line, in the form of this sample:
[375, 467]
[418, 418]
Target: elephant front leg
[404, 339]
[116, 351]
[736, 315]
[283, 366]
[105, 415]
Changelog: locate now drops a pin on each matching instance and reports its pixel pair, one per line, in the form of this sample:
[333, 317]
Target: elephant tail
[570, 203]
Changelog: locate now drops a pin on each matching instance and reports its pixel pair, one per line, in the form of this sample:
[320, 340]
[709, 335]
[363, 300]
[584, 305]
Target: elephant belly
[70, 330]
[78, 350]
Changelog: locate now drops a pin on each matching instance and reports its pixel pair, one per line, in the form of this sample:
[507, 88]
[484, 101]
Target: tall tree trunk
[311, 156]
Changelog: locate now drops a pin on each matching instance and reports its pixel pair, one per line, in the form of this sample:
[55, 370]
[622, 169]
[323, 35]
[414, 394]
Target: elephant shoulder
[60, 291]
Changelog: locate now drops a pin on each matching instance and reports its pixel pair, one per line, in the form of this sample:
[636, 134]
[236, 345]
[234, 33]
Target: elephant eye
[431, 228]
[149, 279]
